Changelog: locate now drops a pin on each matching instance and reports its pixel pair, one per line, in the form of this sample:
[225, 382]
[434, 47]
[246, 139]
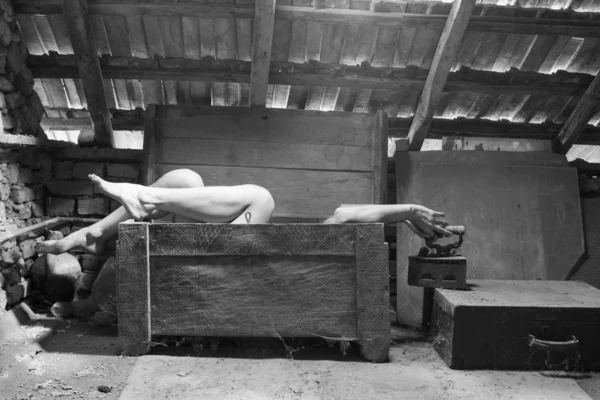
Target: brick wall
[36, 185]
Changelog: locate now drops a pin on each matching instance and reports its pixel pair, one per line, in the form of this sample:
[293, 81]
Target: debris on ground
[104, 389]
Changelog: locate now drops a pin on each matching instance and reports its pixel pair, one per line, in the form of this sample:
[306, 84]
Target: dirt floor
[51, 359]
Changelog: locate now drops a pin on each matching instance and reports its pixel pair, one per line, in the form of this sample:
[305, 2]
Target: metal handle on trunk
[547, 345]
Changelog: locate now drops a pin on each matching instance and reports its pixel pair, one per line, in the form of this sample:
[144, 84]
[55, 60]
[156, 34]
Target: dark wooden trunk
[488, 327]
[274, 280]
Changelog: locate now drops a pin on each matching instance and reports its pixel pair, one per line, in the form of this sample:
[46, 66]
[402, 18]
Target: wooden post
[585, 109]
[86, 55]
[372, 297]
[264, 21]
[151, 139]
[445, 57]
[133, 289]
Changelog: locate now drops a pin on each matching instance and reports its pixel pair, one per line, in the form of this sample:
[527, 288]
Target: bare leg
[92, 239]
[216, 204]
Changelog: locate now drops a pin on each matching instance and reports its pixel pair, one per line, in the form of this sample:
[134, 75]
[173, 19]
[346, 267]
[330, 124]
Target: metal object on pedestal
[438, 266]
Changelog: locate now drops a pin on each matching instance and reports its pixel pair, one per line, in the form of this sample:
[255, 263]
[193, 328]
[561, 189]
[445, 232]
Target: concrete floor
[50, 359]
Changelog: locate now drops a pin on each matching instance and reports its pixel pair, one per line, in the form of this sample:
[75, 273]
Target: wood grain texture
[264, 21]
[379, 162]
[151, 146]
[583, 112]
[487, 327]
[133, 289]
[243, 295]
[84, 46]
[372, 292]
[444, 59]
[274, 280]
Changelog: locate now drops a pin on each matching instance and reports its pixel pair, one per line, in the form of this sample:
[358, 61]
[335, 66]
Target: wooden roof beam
[84, 46]
[131, 120]
[316, 74]
[587, 107]
[445, 56]
[517, 25]
[264, 22]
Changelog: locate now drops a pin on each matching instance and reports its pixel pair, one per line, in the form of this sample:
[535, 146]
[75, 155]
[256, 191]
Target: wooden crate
[273, 280]
[488, 327]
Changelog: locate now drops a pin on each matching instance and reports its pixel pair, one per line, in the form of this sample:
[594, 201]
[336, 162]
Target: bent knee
[264, 199]
[180, 178]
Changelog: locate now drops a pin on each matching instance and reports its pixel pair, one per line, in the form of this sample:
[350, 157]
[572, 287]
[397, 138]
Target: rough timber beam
[132, 120]
[445, 56]
[518, 25]
[264, 22]
[316, 74]
[587, 107]
[84, 46]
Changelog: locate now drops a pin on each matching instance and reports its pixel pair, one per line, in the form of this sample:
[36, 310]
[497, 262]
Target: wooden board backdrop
[521, 210]
[311, 161]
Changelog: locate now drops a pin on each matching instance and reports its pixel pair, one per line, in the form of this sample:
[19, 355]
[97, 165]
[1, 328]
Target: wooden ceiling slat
[29, 35]
[170, 92]
[72, 93]
[387, 41]
[118, 37]
[191, 37]
[556, 50]
[366, 44]
[171, 32]
[207, 38]
[350, 45]
[502, 61]
[100, 35]
[44, 31]
[153, 36]
[471, 43]
[538, 53]
[578, 28]
[587, 50]
[522, 49]
[314, 38]
[109, 92]
[529, 108]
[244, 39]
[61, 33]
[122, 94]
[488, 51]
[137, 36]
[362, 100]
[152, 92]
[403, 46]
[298, 42]
[511, 109]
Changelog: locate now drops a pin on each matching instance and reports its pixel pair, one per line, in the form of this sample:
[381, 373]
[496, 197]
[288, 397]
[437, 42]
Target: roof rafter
[398, 127]
[445, 57]
[88, 66]
[264, 22]
[519, 25]
[585, 109]
[316, 74]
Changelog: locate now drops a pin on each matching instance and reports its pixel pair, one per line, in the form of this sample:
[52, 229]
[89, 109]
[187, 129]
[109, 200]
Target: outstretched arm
[421, 220]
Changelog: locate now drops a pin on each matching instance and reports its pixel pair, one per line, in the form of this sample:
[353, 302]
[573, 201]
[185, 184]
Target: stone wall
[22, 182]
[21, 107]
[36, 185]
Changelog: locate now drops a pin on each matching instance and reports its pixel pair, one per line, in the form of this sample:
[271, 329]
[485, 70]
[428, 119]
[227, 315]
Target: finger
[441, 231]
[416, 230]
[440, 222]
[438, 214]
[425, 228]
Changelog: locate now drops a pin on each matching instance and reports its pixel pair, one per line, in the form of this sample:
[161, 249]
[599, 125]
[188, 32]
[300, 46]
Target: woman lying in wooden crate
[182, 192]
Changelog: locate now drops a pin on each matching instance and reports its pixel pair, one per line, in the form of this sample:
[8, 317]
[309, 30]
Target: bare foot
[127, 194]
[87, 240]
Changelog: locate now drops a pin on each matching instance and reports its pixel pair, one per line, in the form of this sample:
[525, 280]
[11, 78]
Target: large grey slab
[522, 212]
[414, 372]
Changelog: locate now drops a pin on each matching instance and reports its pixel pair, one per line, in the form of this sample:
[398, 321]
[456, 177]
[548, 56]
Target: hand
[427, 223]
